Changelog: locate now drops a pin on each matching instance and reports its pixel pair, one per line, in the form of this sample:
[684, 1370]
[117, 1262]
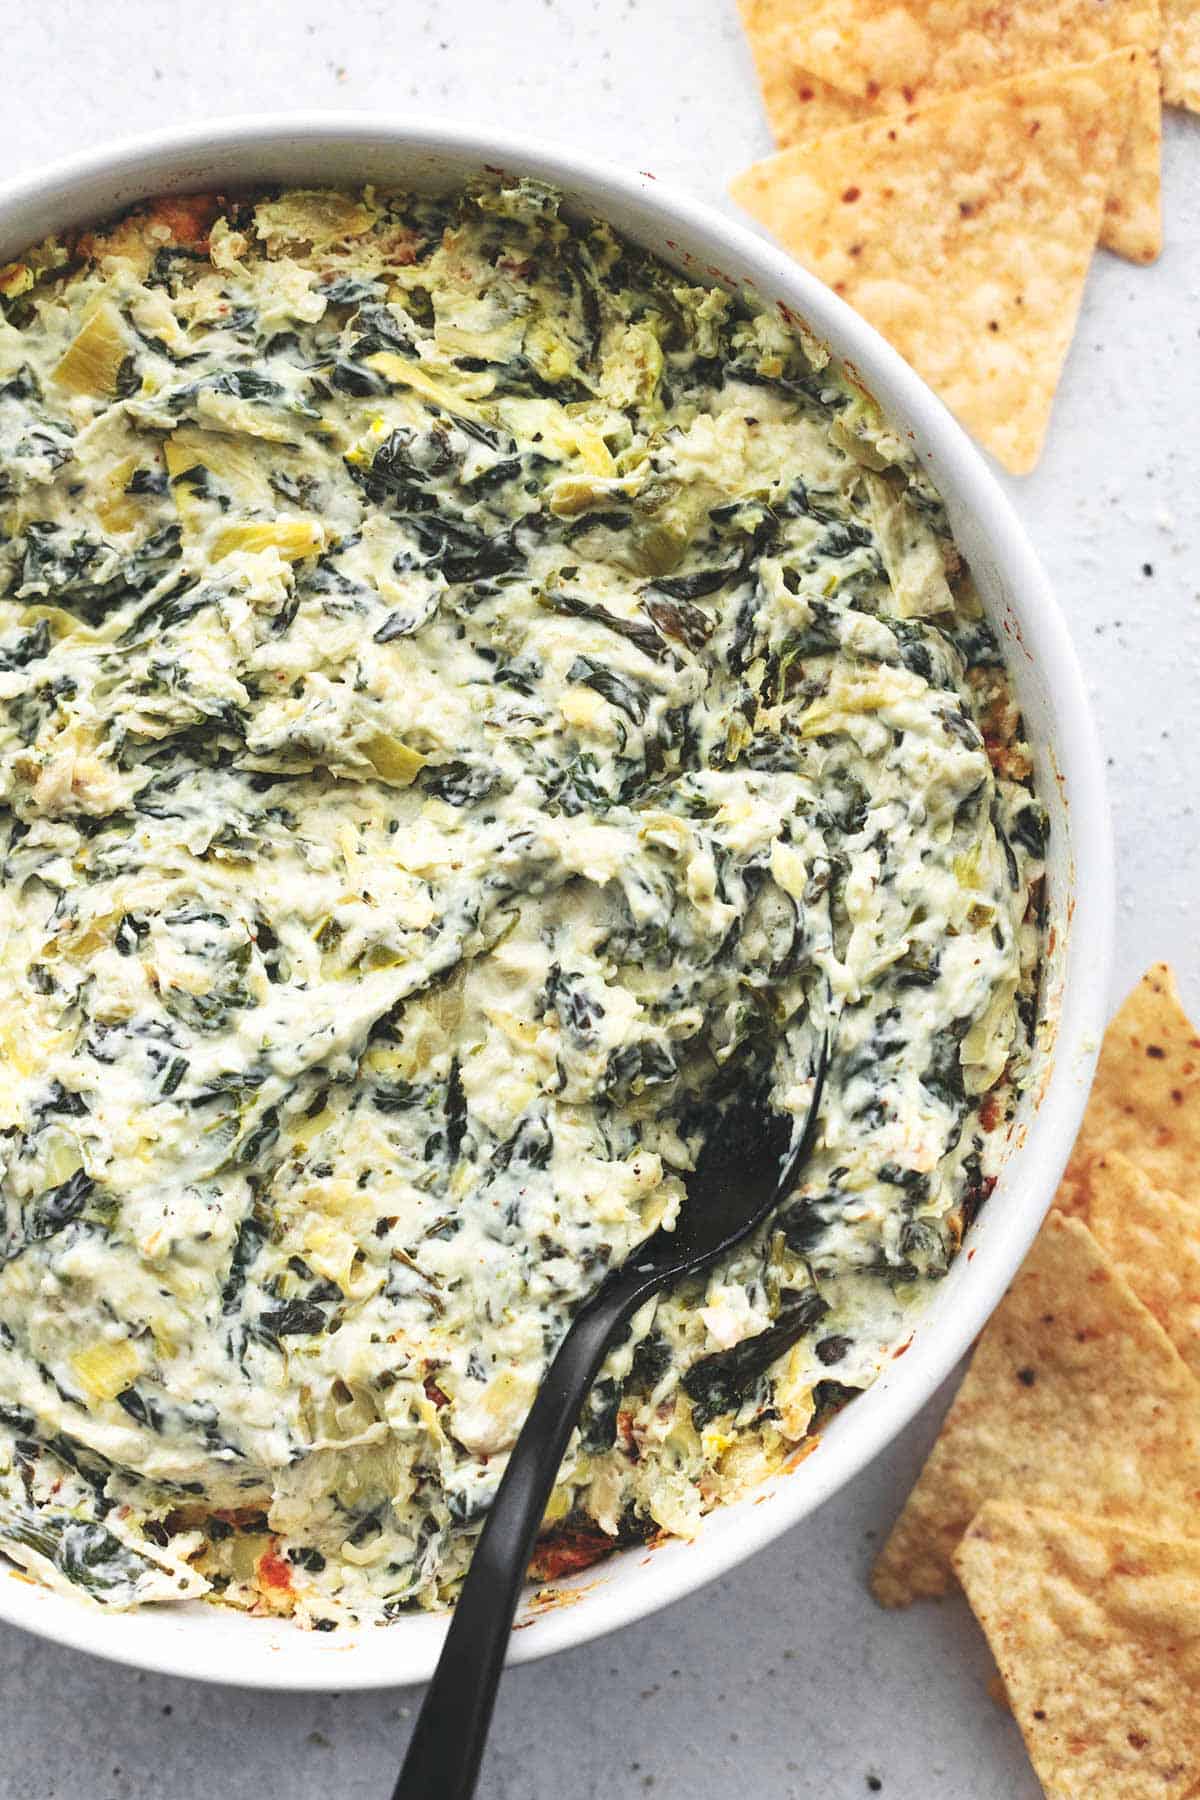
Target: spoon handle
[447, 1744]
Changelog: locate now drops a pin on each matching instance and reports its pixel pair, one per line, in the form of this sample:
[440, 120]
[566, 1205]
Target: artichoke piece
[572, 495]
[60, 623]
[225, 412]
[106, 1369]
[294, 535]
[116, 509]
[500, 342]
[192, 455]
[61, 1161]
[402, 372]
[667, 514]
[319, 217]
[92, 361]
[586, 443]
[913, 553]
[392, 760]
[552, 355]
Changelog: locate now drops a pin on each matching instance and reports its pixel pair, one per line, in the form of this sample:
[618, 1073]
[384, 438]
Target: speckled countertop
[781, 1682]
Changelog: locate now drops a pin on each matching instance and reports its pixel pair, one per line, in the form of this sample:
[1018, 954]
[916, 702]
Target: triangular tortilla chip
[799, 104]
[1075, 1398]
[1096, 1630]
[824, 66]
[1181, 53]
[867, 47]
[1153, 1237]
[964, 233]
[1145, 1100]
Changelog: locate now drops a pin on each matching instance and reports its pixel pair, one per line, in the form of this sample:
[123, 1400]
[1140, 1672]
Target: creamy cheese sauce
[468, 700]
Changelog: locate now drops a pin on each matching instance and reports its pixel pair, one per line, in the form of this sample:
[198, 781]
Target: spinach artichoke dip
[470, 700]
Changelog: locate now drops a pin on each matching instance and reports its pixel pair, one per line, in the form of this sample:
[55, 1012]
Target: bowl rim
[384, 1659]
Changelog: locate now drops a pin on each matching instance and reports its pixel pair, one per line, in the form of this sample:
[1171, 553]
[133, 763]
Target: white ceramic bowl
[217, 1645]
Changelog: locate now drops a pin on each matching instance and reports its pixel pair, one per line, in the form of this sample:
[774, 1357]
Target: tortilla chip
[1153, 1236]
[1145, 1100]
[826, 65]
[1132, 224]
[1075, 1398]
[1181, 53]
[964, 233]
[997, 1693]
[1096, 1629]
[905, 48]
[799, 104]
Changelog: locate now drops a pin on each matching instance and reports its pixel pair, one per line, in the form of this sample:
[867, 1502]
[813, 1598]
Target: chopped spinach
[724, 1381]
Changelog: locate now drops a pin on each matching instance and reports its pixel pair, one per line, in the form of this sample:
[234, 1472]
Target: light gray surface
[781, 1682]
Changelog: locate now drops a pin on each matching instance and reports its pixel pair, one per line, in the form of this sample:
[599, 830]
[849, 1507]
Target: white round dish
[212, 1644]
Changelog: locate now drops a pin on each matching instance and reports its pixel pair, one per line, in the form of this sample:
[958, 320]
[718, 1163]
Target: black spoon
[744, 1170]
